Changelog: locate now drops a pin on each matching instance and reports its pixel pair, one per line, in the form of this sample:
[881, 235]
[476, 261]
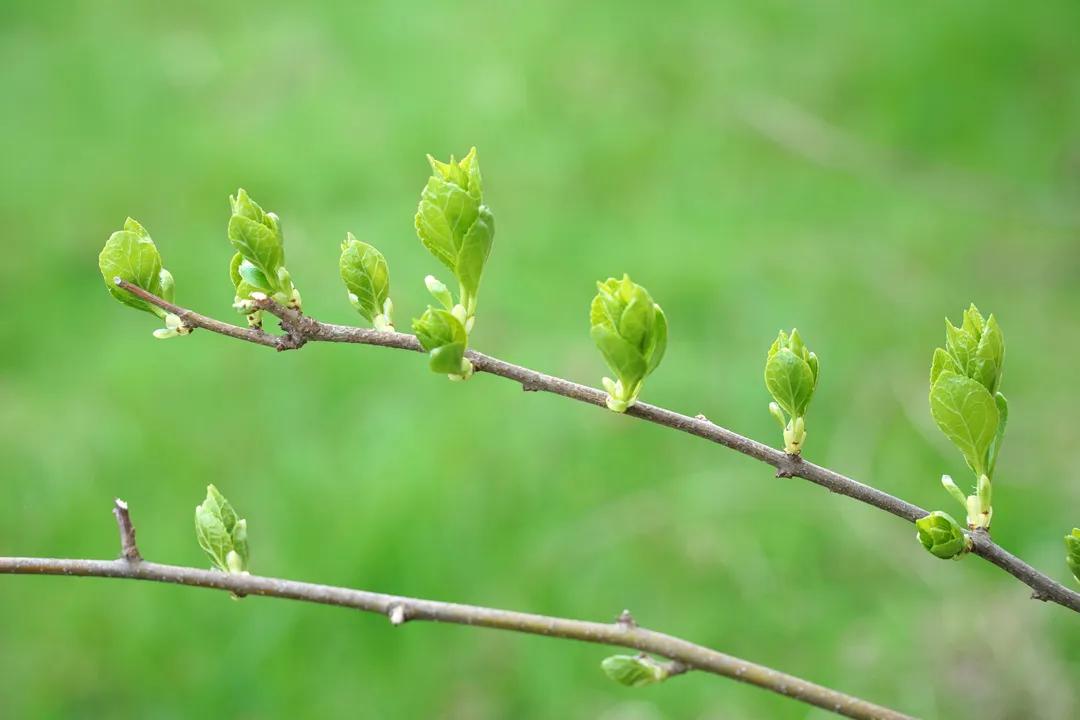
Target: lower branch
[683, 654]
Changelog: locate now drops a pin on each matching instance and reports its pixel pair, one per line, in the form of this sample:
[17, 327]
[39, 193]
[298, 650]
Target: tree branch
[681, 655]
[128, 549]
[300, 329]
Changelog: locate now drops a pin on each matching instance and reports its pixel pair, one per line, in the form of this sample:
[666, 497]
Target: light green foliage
[367, 278]
[131, 255]
[631, 332]
[966, 404]
[221, 533]
[1072, 550]
[633, 670]
[942, 536]
[791, 376]
[442, 334]
[456, 227]
[259, 262]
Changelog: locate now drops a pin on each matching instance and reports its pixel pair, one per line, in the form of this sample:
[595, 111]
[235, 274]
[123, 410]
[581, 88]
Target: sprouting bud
[367, 278]
[634, 670]
[258, 240]
[791, 376]
[131, 255]
[454, 224]
[942, 536]
[221, 533]
[966, 404]
[631, 332]
[443, 336]
[1072, 550]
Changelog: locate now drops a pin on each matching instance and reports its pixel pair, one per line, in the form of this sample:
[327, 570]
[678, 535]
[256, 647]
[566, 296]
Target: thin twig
[681, 654]
[128, 549]
[297, 325]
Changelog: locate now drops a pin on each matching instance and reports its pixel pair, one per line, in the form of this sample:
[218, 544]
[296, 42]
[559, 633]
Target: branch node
[789, 466]
[701, 416]
[626, 620]
[675, 667]
[396, 613]
[128, 549]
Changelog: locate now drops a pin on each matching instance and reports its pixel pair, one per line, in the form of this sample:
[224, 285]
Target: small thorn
[626, 620]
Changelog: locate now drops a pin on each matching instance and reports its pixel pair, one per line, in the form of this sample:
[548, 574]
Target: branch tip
[128, 549]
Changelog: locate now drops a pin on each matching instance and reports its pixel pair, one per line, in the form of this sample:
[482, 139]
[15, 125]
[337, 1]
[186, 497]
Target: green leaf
[1072, 549]
[790, 381]
[220, 532]
[256, 235]
[968, 416]
[447, 359]
[475, 248]
[258, 246]
[941, 535]
[131, 255]
[453, 223]
[239, 541]
[961, 345]
[973, 322]
[212, 536]
[658, 340]
[366, 276]
[624, 359]
[943, 361]
[989, 360]
[438, 327]
[632, 670]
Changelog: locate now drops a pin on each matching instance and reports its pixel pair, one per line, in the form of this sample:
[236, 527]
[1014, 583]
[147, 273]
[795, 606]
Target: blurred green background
[859, 170]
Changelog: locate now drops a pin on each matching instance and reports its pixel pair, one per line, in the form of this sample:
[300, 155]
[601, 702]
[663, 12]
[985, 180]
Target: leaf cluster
[221, 533]
[259, 262]
[631, 332]
[965, 401]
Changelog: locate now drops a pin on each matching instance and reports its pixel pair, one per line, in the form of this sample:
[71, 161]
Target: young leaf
[961, 345]
[212, 536]
[130, 254]
[1072, 550]
[790, 381]
[967, 414]
[631, 332]
[367, 278]
[989, 360]
[943, 361]
[475, 248]
[443, 336]
[633, 670]
[256, 235]
[453, 223]
[221, 534]
[942, 536]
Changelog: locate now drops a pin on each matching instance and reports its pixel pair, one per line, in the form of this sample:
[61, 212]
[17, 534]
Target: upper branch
[300, 328]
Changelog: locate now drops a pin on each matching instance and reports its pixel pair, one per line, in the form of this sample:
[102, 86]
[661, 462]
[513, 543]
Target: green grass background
[857, 169]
